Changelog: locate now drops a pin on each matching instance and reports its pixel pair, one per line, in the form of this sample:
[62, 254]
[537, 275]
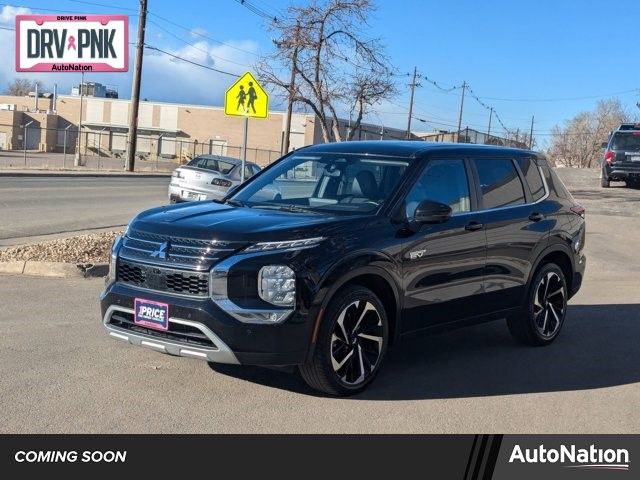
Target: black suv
[622, 156]
[367, 242]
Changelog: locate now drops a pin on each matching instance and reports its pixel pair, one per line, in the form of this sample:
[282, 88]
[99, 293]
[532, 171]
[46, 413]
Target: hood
[211, 220]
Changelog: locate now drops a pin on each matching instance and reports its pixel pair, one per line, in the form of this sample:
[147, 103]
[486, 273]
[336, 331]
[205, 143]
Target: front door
[443, 264]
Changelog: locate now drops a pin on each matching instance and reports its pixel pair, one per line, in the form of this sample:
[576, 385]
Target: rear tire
[543, 315]
[604, 182]
[351, 343]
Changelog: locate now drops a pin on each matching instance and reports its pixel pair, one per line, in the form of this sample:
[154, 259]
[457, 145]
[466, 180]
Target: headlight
[277, 285]
[286, 245]
[113, 260]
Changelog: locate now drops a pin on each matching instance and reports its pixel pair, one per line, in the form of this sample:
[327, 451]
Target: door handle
[473, 226]
[536, 217]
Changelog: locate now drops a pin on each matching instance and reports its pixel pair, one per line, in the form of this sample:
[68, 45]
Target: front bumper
[232, 341]
[218, 353]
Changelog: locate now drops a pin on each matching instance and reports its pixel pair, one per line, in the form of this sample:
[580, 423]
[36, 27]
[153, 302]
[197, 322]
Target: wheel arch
[376, 277]
[561, 256]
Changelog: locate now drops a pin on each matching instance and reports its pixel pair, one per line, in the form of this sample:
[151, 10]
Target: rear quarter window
[533, 178]
[499, 182]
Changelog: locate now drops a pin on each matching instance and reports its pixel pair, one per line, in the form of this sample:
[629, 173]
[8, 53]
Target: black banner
[461, 457]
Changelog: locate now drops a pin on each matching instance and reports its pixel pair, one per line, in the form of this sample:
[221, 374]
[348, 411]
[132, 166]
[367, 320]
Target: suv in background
[622, 156]
[367, 242]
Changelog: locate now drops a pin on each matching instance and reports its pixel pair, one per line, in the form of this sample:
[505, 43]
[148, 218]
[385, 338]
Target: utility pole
[464, 88]
[531, 133]
[135, 90]
[78, 159]
[413, 86]
[292, 84]
[489, 129]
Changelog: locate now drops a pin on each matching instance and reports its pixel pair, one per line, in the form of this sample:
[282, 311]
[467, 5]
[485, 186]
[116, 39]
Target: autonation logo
[573, 457]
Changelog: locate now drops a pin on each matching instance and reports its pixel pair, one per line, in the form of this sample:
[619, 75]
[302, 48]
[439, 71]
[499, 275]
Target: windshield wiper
[287, 208]
[235, 203]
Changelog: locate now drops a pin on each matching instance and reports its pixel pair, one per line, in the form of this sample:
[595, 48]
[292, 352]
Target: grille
[176, 251]
[177, 333]
[163, 279]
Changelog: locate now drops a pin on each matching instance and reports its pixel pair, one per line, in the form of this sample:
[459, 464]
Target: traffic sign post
[246, 98]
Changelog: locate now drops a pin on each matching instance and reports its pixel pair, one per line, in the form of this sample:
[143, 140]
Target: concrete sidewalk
[10, 172]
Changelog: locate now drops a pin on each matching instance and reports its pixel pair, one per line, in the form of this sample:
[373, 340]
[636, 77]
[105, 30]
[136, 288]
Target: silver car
[207, 177]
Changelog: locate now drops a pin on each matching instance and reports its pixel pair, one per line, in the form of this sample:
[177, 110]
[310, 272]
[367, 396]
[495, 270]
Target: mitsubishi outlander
[365, 243]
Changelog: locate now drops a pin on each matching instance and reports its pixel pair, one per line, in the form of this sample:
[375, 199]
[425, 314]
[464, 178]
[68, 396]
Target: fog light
[277, 285]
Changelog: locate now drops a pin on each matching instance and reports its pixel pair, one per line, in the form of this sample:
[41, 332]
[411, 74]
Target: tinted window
[532, 176]
[499, 182]
[443, 181]
[626, 141]
[211, 164]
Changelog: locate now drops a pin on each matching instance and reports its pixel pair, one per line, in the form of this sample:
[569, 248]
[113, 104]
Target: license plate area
[151, 314]
[634, 158]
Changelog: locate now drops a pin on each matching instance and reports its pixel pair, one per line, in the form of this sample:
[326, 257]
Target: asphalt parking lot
[59, 372]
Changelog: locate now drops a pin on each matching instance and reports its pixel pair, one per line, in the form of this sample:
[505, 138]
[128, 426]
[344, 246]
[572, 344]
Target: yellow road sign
[246, 98]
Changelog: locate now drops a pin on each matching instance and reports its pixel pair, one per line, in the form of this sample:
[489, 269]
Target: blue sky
[522, 57]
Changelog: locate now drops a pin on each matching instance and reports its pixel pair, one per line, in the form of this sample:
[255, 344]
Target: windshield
[325, 182]
[211, 164]
[626, 141]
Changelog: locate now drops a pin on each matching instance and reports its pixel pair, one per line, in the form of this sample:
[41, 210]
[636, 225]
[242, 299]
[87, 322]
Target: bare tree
[520, 138]
[21, 87]
[336, 68]
[578, 142]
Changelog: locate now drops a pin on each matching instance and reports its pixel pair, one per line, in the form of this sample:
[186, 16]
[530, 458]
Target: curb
[6, 173]
[54, 269]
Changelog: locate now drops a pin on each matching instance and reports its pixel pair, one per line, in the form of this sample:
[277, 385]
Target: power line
[200, 34]
[258, 11]
[178, 57]
[195, 46]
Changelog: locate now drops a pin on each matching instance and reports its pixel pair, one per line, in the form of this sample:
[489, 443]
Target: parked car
[622, 156]
[207, 177]
[368, 242]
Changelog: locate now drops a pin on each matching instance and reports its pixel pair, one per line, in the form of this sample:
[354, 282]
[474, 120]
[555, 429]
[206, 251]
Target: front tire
[351, 343]
[543, 316]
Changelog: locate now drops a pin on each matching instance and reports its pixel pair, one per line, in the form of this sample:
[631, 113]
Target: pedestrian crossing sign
[246, 98]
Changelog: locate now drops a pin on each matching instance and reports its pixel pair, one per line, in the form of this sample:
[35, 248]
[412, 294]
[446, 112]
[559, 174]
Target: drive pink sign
[72, 43]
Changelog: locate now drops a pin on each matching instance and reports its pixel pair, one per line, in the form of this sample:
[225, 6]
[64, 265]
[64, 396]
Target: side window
[499, 182]
[248, 172]
[443, 181]
[532, 176]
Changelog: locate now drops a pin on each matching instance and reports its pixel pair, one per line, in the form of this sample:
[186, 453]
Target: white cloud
[163, 79]
[8, 14]
[198, 32]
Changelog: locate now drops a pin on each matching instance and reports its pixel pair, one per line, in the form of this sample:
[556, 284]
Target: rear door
[443, 264]
[515, 226]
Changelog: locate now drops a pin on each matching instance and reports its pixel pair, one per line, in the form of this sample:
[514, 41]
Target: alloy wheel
[356, 342]
[549, 305]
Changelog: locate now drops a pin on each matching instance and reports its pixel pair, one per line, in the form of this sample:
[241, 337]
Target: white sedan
[208, 177]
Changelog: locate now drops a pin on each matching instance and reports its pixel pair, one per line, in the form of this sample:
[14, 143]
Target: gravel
[93, 248]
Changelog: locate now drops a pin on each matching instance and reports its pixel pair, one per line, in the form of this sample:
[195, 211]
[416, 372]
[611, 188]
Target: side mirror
[604, 144]
[429, 211]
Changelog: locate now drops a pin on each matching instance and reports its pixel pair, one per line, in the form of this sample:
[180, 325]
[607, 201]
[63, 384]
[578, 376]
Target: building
[165, 130]
[168, 130]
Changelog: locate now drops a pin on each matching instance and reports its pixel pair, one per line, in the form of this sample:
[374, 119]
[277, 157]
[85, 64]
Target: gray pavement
[59, 372]
[45, 205]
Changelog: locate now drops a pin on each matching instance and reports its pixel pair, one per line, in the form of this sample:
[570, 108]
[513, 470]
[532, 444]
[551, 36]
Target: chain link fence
[34, 147]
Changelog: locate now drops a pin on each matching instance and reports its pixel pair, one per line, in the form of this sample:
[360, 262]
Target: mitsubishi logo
[162, 251]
